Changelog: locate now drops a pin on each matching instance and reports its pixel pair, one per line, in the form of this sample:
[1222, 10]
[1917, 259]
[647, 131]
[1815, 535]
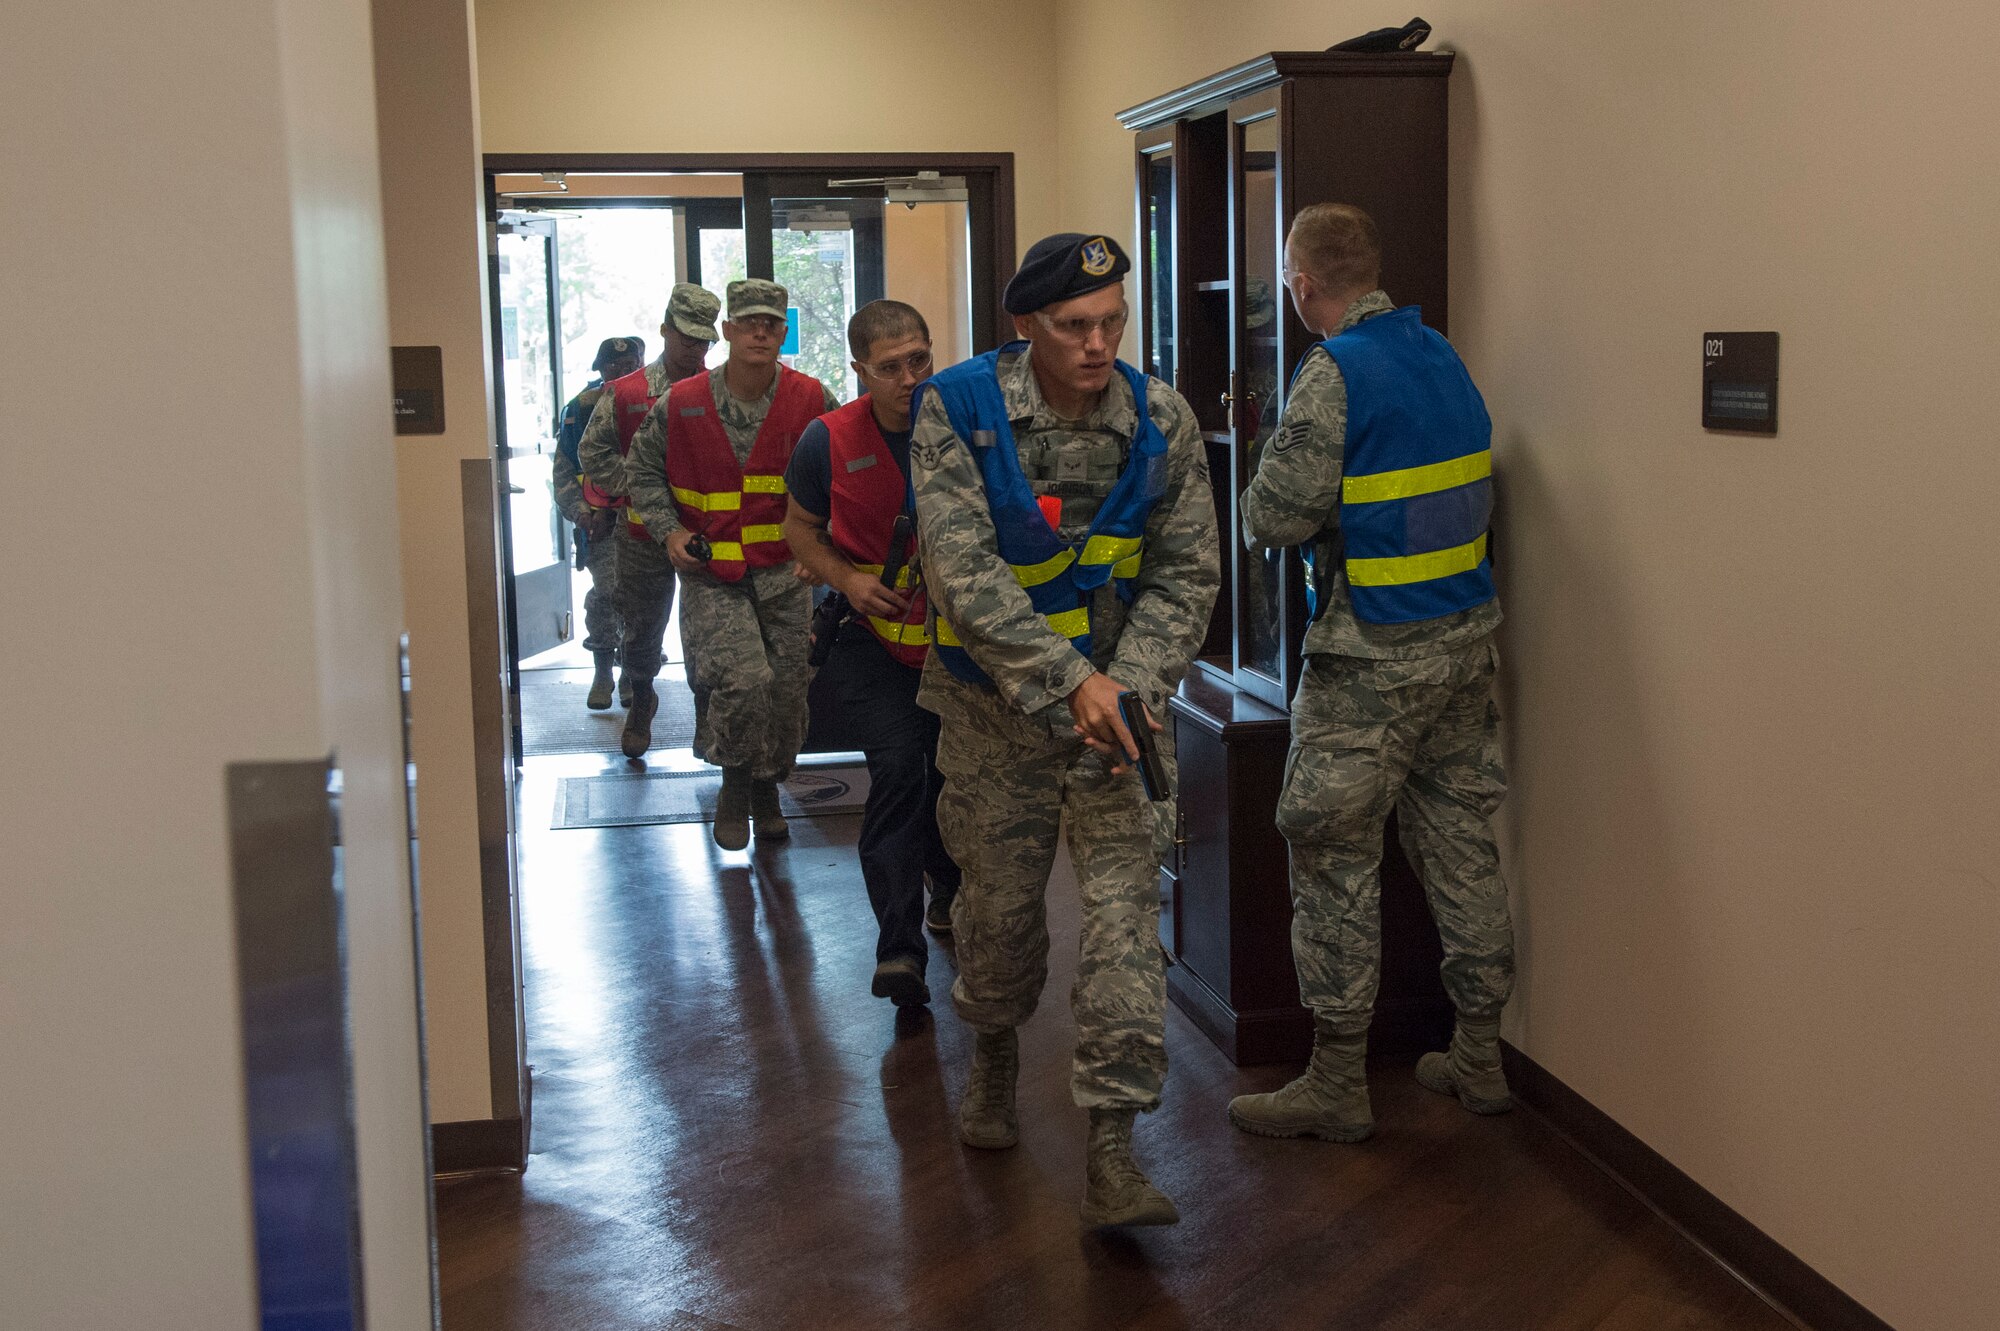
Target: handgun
[827, 617]
[899, 551]
[1152, 772]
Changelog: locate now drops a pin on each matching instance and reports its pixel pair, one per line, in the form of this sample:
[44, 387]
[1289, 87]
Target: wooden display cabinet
[1223, 166]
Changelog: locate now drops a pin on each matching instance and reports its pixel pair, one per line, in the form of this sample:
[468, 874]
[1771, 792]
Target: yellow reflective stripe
[1396, 572]
[762, 532]
[1109, 549]
[763, 485]
[1070, 623]
[727, 552]
[1413, 481]
[1034, 575]
[1126, 568]
[904, 580]
[910, 635]
[724, 501]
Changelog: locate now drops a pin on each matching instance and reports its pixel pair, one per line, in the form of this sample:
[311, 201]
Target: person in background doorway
[709, 461]
[1382, 467]
[645, 577]
[848, 483]
[1070, 555]
[595, 550]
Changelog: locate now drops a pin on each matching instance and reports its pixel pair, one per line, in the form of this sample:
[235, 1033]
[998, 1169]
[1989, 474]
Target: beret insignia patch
[1096, 258]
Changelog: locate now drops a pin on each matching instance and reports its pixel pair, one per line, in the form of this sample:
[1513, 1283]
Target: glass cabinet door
[1157, 299]
[1269, 601]
[1261, 640]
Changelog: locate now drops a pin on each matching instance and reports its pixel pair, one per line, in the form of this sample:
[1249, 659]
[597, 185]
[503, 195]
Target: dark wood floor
[729, 1132]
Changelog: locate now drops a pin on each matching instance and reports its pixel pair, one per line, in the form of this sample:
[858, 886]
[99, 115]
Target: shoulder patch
[1290, 435]
[927, 451]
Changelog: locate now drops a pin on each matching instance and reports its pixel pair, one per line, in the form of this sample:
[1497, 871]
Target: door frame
[989, 183]
[503, 480]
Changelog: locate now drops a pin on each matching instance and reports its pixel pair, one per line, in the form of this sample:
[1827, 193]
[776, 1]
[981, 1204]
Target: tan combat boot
[1330, 1101]
[1470, 1069]
[732, 809]
[638, 736]
[986, 1114]
[771, 824]
[1116, 1191]
[601, 684]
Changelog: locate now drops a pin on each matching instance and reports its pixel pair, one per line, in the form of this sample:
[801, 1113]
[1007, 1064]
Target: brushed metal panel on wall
[298, 1067]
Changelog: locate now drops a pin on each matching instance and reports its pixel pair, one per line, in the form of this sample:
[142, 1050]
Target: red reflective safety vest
[739, 508]
[869, 491]
[631, 398]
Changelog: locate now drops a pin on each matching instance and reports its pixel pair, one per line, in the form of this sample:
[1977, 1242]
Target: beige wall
[1750, 682]
[432, 205]
[835, 76]
[242, 605]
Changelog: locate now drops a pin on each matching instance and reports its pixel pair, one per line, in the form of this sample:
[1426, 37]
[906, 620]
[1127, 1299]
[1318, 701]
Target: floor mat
[554, 719]
[645, 798]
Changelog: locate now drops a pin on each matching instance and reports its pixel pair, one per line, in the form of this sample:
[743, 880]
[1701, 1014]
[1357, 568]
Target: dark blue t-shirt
[809, 477]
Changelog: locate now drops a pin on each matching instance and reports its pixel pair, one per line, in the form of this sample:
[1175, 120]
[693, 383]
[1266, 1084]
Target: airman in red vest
[848, 484]
[706, 477]
[643, 574]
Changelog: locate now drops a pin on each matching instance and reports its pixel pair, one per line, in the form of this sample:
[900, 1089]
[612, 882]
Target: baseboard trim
[1777, 1275]
[479, 1146]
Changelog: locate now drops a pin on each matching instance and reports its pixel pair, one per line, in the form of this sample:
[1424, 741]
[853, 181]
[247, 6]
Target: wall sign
[1739, 382]
[417, 374]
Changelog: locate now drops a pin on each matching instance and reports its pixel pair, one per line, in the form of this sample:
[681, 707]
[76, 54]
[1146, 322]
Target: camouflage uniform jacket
[1294, 498]
[565, 471]
[598, 450]
[646, 466]
[1146, 646]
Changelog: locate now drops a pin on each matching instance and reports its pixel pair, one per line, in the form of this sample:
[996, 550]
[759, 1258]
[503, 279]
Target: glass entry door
[837, 243]
[534, 536]
[825, 249]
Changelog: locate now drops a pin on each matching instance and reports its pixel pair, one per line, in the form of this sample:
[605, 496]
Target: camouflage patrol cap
[692, 309]
[615, 348]
[753, 295]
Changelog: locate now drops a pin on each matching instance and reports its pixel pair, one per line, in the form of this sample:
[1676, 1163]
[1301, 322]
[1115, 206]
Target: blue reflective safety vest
[1416, 490]
[1059, 576]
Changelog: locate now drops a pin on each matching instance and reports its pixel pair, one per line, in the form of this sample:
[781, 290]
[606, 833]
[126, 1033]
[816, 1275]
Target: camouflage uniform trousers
[1421, 737]
[746, 645]
[1011, 782]
[603, 629]
[645, 585]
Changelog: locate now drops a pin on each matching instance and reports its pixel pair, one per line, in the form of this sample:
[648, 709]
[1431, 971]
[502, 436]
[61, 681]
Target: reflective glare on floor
[729, 1132]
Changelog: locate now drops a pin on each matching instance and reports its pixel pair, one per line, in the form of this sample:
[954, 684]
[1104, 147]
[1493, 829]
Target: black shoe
[901, 981]
[937, 917]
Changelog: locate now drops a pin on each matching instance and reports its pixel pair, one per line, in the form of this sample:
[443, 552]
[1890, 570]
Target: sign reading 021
[1739, 382]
